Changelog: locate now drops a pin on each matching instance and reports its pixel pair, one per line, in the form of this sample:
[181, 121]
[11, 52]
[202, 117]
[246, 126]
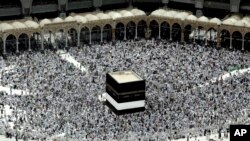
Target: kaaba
[125, 92]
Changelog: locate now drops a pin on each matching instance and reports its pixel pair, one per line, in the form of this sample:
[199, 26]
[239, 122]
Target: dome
[5, 26]
[31, 24]
[80, 19]
[18, 25]
[236, 17]
[45, 21]
[126, 13]
[57, 20]
[246, 20]
[247, 17]
[103, 16]
[168, 15]
[182, 15]
[240, 23]
[203, 19]
[158, 12]
[229, 21]
[216, 21]
[69, 19]
[173, 13]
[91, 17]
[191, 18]
[138, 12]
[114, 15]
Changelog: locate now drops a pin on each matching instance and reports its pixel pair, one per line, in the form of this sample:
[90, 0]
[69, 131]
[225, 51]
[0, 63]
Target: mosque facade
[231, 32]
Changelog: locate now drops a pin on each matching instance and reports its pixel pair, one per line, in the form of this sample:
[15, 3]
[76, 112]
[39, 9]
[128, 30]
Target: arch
[141, 29]
[154, 28]
[165, 30]
[96, 34]
[35, 41]
[1, 46]
[211, 37]
[237, 40]
[11, 44]
[23, 41]
[49, 40]
[119, 31]
[247, 42]
[187, 32]
[60, 39]
[59, 34]
[176, 32]
[72, 37]
[225, 38]
[84, 35]
[130, 30]
[200, 35]
[107, 33]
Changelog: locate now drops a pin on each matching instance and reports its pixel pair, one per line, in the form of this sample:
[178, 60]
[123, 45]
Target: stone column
[136, 32]
[194, 36]
[243, 44]
[210, 36]
[90, 38]
[231, 40]
[113, 35]
[55, 45]
[218, 39]
[199, 34]
[66, 39]
[182, 35]
[78, 38]
[29, 45]
[125, 33]
[159, 36]
[101, 35]
[42, 38]
[147, 33]
[17, 46]
[170, 33]
[4, 46]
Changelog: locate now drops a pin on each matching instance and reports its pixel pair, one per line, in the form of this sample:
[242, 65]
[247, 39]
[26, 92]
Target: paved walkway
[227, 76]
[67, 57]
[13, 91]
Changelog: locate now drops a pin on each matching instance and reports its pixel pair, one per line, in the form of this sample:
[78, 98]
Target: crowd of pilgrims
[60, 98]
